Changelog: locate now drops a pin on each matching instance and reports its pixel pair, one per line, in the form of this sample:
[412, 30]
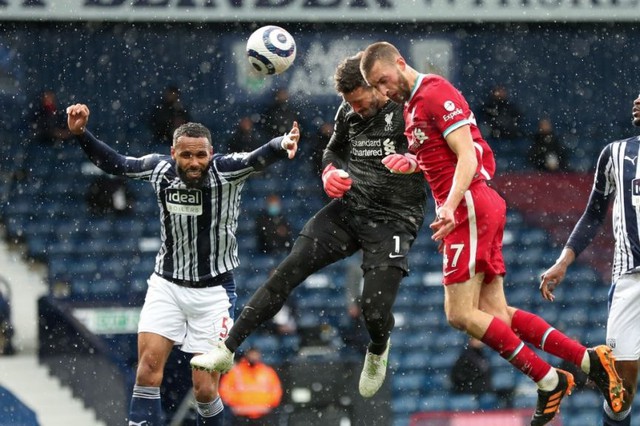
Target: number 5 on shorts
[227, 322]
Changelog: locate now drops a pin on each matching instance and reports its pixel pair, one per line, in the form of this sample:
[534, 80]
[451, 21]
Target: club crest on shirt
[418, 137]
[184, 201]
[388, 119]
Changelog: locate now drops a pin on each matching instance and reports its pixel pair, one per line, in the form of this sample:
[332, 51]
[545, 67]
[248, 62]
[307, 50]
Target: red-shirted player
[470, 217]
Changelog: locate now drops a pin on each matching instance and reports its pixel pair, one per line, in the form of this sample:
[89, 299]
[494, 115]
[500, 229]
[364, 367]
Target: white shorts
[195, 318]
[623, 332]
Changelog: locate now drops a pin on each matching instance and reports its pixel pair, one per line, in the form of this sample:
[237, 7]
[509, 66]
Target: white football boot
[219, 359]
[373, 372]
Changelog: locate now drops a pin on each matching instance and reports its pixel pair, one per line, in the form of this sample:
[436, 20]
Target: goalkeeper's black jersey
[358, 145]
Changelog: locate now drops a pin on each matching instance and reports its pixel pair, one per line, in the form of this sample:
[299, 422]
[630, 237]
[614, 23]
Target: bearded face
[193, 176]
[193, 159]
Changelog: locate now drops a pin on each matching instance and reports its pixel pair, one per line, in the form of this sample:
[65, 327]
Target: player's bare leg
[599, 363]
[153, 351]
[208, 403]
[462, 303]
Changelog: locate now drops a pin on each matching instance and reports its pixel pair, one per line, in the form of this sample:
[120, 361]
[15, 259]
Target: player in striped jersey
[617, 178]
[191, 295]
[470, 220]
[372, 210]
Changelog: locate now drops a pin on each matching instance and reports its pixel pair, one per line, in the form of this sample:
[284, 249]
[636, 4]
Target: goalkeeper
[372, 210]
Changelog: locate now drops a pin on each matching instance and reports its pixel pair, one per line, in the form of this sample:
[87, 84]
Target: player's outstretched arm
[77, 118]
[100, 154]
[263, 156]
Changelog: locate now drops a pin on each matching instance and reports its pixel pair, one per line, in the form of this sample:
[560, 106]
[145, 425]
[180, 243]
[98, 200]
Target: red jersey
[434, 110]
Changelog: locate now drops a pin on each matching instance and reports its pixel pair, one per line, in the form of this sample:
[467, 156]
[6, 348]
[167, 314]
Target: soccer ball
[271, 50]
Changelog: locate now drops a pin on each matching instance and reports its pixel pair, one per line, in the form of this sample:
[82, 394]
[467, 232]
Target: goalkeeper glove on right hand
[335, 181]
[403, 164]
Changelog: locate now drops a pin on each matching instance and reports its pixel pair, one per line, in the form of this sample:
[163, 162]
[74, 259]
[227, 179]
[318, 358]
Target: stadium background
[580, 72]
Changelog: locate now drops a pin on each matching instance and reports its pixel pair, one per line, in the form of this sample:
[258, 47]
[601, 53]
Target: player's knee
[458, 320]
[149, 373]
[372, 314]
[205, 391]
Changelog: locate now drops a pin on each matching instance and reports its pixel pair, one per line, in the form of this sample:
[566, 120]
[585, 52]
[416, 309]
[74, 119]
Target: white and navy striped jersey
[617, 177]
[619, 172]
[197, 225]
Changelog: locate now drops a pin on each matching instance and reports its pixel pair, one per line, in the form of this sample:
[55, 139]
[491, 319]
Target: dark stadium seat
[438, 380]
[430, 319]
[102, 288]
[489, 401]
[405, 403]
[37, 246]
[576, 315]
[551, 312]
[586, 416]
[403, 339]
[520, 287]
[408, 382]
[583, 399]
[450, 338]
[532, 236]
[593, 336]
[503, 378]
[436, 401]
[414, 361]
[463, 402]
[525, 400]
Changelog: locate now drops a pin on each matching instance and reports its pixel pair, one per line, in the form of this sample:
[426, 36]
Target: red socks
[503, 340]
[535, 330]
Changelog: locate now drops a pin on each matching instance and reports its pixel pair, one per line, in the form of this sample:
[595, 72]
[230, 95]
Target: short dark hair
[348, 76]
[380, 51]
[192, 130]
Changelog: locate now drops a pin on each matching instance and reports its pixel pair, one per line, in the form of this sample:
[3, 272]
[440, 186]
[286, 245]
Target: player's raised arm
[77, 118]
[276, 149]
[290, 140]
[100, 154]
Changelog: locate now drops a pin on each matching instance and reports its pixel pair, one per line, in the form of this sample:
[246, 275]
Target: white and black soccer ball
[271, 50]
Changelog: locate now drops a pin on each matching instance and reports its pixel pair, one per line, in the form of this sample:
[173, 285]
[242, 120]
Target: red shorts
[475, 244]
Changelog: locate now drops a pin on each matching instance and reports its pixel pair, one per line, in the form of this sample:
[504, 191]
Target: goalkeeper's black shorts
[338, 233]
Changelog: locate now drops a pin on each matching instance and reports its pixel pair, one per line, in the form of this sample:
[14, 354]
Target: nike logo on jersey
[633, 160]
[395, 256]
[449, 272]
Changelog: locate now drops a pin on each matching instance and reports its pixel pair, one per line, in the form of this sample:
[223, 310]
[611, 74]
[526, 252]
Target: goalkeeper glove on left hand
[335, 181]
[403, 164]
